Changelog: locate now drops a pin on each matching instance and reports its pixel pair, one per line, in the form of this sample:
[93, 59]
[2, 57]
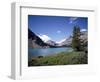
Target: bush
[40, 56]
[64, 58]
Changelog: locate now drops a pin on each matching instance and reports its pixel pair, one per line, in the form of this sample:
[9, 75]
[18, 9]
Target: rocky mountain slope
[53, 43]
[34, 41]
[68, 41]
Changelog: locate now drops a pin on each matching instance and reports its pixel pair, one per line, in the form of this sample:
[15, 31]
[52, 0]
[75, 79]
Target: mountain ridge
[35, 41]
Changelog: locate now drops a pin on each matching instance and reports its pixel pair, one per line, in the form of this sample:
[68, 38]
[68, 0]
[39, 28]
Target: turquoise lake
[46, 52]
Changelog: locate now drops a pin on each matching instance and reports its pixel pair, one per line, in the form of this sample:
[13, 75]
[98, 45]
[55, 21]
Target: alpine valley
[34, 41]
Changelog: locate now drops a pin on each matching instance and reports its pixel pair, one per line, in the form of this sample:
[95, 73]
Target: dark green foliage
[76, 42]
[63, 58]
[40, 56]
[82, 58]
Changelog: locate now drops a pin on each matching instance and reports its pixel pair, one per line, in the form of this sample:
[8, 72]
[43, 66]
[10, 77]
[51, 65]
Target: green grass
[63, 58]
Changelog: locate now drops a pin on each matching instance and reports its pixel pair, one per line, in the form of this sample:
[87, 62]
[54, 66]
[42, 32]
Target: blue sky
[56, 28]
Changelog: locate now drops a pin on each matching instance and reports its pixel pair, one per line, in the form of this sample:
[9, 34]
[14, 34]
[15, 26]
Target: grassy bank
[63, 58]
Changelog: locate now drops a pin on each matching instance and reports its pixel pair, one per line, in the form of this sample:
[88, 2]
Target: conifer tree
[76, 43]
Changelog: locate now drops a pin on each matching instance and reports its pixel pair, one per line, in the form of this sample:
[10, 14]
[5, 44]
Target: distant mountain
[84, 38]
[68, 41]
[53, 43]
[34, 41]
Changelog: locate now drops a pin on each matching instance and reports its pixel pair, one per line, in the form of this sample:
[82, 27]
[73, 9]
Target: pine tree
[76, 43]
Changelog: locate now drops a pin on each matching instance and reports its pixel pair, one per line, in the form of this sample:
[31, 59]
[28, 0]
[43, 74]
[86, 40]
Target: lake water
[47, 51]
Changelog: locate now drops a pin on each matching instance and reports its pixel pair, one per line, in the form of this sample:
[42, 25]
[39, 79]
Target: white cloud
[83, 30]
[58, 31]
[60, 41]
[45, 38]
[73, 20]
